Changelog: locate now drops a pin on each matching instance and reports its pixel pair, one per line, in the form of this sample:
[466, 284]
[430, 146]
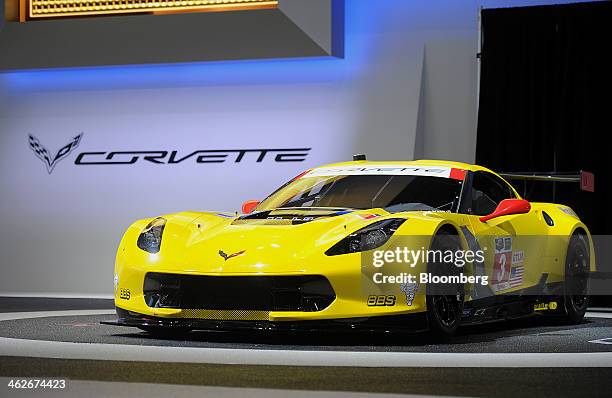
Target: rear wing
[584, 178]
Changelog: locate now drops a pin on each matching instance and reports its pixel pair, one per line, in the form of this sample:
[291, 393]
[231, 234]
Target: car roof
[422, 162]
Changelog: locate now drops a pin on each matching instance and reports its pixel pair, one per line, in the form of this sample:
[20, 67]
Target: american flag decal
[43, 153]
[516, 276]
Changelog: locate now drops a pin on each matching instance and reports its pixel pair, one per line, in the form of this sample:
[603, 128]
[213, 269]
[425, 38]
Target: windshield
[394, 193]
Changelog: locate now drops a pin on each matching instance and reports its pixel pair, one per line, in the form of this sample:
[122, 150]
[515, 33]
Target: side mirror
[508, 207]
[249, 206]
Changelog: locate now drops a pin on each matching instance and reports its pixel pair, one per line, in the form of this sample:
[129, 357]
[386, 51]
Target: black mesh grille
[255, 293]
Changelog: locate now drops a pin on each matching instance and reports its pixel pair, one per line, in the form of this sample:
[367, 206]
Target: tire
[576, 285]
[444, 302]
[165, 332]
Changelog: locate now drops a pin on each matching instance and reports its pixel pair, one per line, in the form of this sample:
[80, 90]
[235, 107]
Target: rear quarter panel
[566, 223]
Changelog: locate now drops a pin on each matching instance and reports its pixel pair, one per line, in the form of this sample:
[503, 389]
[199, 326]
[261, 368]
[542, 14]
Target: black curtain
[545, 100]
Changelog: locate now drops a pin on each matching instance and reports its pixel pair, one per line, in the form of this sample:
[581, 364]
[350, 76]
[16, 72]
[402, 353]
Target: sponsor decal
[518, 257]
[43, 153]
[518, 269]
[293, 219]
[433, 171]
[124, 294]
[368, 216]
[228, 256]
[545, 306]
[165, 157]
[287, 216]
[409, 289]
[381, 301]
[568, 211]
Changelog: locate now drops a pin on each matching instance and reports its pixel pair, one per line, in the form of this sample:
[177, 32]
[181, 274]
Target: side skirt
[538, 300]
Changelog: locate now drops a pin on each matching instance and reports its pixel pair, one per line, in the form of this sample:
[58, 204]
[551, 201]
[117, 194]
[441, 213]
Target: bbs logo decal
[124, 294]
[381, 301]
[43, 153]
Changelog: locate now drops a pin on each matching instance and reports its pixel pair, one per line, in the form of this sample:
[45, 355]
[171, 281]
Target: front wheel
[443, 314]
[444, 302]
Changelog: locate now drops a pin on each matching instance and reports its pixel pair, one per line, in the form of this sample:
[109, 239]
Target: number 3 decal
[502, 270]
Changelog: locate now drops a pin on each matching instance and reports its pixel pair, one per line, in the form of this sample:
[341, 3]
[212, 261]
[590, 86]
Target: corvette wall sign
[199, 156]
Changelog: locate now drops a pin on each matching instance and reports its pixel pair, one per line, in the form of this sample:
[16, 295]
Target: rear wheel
[577, 264]
[444, 301]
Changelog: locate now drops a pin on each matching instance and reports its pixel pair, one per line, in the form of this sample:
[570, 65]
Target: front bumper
[387, 323]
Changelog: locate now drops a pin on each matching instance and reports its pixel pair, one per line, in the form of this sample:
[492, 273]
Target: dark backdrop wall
[546, 82]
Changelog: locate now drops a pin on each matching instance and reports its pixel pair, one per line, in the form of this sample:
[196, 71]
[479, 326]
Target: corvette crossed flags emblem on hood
[228, 256]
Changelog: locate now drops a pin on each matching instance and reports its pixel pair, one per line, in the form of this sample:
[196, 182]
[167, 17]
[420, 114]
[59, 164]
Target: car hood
[283, 241]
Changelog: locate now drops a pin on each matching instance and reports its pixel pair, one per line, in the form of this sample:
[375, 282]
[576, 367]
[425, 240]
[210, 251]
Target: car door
[512, 244]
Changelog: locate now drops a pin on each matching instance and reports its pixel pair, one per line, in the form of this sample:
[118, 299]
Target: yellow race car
[361, 245]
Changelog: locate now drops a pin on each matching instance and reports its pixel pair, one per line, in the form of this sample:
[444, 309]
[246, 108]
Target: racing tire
[576, 285]
[444, 302]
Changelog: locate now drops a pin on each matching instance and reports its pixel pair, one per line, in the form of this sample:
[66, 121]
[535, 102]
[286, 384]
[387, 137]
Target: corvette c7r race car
[308, 257]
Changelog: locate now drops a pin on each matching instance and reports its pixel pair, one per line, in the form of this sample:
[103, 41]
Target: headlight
[368, 238]
[150, 238]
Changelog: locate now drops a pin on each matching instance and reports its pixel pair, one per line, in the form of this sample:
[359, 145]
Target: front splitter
[410, 323]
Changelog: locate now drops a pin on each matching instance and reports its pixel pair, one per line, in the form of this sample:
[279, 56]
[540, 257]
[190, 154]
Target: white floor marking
[607, 340]
[607, 315]
[600, 309]
[120, 352]
[8, 316]
[58, 295]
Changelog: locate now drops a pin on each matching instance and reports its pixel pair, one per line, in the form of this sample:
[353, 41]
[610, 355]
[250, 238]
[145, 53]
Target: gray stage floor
[524, 336]
[531, 337]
